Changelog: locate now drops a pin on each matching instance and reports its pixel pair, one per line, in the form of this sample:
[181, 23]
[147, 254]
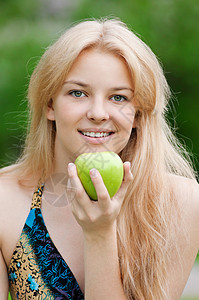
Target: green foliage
[12, 9]
[18, 58]
[169, 27]
[197, 258]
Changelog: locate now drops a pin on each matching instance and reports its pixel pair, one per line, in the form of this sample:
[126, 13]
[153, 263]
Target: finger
[74, 181]
[101, 190]
[76, 185]
[128, 177]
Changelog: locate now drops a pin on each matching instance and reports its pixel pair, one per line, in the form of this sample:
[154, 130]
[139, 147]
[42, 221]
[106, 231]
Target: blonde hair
[146, 219]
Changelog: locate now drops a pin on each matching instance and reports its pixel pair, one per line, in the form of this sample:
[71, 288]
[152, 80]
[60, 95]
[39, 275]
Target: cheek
[67, 115]
[126, 116]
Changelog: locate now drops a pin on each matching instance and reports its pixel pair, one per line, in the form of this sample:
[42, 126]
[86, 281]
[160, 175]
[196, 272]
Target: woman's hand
[96, 217]
[98, 221]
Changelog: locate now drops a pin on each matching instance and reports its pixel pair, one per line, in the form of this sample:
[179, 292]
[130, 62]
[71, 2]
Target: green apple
[109, 165]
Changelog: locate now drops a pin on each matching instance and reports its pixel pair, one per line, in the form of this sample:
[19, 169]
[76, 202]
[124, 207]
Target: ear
[50, 111]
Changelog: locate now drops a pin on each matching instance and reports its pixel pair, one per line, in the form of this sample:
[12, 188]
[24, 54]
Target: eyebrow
[80, 83]
[76, 82]
[122, 88]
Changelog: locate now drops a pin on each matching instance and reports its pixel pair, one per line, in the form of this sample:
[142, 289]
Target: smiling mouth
[96, 134]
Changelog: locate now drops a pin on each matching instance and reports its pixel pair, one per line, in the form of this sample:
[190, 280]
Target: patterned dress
[37, 270]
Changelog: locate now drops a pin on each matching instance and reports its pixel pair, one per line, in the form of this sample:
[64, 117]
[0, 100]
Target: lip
[96, 141]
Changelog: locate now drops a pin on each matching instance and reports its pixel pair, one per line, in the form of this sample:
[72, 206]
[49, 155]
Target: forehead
[97, 62]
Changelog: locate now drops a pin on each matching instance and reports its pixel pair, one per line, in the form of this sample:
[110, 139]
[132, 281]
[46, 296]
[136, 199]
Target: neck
[55, 190]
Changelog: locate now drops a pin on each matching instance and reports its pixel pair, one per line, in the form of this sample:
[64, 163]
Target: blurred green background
[169, 27]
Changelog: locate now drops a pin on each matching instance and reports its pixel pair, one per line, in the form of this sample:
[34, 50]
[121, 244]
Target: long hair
[147, 219]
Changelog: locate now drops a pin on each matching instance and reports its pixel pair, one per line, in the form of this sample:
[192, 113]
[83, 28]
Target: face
[93, 110]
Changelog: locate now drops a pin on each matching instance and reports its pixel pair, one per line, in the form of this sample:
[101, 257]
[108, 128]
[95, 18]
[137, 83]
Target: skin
[83, 231]
[89, 98]
[95, 108]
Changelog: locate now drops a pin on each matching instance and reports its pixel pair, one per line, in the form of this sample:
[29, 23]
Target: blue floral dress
[37, 270]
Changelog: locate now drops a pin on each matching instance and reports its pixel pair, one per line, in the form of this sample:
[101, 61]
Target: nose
[97, 110]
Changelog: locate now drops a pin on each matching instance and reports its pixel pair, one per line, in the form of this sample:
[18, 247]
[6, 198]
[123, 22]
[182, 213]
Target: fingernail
[129, 163]
[70, 167]
[130, 168]
[93, 172]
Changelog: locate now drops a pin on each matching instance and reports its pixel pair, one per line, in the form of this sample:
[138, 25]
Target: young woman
[98, 88]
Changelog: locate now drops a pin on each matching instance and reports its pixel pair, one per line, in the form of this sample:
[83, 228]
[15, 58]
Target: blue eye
[77, 94]
[118, 98]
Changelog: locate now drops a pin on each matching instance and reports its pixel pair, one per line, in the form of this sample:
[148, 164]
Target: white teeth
[97, 134]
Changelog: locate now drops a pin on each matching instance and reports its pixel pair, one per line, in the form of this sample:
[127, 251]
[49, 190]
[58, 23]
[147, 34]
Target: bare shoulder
[15, 201]
[186, 191]
[9, 186]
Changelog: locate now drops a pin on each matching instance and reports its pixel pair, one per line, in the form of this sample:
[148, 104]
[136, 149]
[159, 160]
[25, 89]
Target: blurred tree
[169, 27]
[27, 28]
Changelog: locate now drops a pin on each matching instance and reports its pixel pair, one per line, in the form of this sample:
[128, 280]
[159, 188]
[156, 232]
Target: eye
[118, 98]
[77, 94]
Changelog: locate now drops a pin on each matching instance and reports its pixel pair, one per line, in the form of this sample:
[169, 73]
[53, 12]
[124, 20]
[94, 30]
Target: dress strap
[36, 199]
